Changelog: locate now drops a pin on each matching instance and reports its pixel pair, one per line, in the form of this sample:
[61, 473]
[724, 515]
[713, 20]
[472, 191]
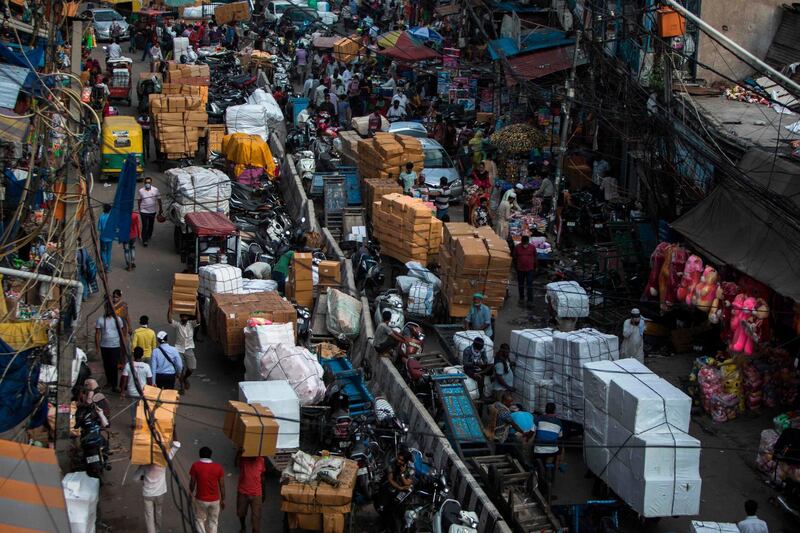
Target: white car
[275, 9]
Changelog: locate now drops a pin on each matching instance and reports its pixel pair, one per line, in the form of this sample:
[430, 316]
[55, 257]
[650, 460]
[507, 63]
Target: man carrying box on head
[251, 490]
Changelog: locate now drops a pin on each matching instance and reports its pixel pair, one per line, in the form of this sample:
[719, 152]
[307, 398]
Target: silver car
[438, 163]
[103, 20]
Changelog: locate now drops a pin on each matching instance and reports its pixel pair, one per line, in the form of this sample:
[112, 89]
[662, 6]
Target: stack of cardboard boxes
[473, 260]
[233, 12]
[188, 74]
[406, 228]
[385, 155]
[184, 294]
[301, 281]
[178, 122]
[373, 189]
[350, 140]
[216, 132]
[252, 428]
[229, 313]
[144, 448]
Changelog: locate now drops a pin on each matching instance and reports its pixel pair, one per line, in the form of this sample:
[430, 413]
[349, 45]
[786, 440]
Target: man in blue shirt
[165, 363]
[548, 434]
[479, 317]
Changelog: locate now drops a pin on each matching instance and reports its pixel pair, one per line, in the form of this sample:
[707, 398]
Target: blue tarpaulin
[118, 226]
[531, 42]
[18, 392]
[22, 57]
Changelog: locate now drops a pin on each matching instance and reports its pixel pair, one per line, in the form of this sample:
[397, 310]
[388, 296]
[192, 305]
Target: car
[438, 165]
[103, 19]
[412, 129]
[301, 16]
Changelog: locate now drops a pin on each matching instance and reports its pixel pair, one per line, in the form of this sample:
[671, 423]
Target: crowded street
[397, 266]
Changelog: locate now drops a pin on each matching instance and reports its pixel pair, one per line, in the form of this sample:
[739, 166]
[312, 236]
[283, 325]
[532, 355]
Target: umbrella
[407, 49]
[517, 138]
[389, 39]
[425, 33]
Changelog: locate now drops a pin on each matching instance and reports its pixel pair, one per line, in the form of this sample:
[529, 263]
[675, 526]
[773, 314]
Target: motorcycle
[303, 322]
[362, 444]
[306, 165]
[391, 301]
[368, 273]
[432, 509]
[94, 446]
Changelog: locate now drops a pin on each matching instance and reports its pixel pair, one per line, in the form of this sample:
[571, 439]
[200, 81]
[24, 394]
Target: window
[437, 158]
[107, 16]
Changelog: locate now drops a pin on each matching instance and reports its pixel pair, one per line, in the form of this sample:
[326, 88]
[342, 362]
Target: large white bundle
[662, 454]
[361, 124]
[596, 455]
[194, 189]
[462, 339]
[296, 365]
[258, 285]
[595, 421]
[180, 47]
[470, 384]
[199, 12]
[597, 378]
[531, 349]
[655, 498]
[421, 272]
[583, 345]
[698, 526]
[248, 118]
[568, 298]
[534, 394]
[81, 494]
[219, 278]
[641, 405]
[279, 397]
[272, 109]
[257, 340]
[420, 299]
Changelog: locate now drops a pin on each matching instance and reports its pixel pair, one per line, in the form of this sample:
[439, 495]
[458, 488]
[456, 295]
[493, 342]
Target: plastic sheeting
[257, 339]
[568, 299]
[18, 396]
[82, 493]
[344, 314]
[420, 299]
[299, 367]
[219, 278]
[196, 189]
[273, 110]
[248, 118]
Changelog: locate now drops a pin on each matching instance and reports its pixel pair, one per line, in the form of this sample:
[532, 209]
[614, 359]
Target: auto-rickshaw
[121, 136]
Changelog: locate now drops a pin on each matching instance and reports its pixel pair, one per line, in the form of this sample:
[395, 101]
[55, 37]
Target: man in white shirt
[142, 374]
[149, 206]
[319, 95]
[752, 524]
[401, 97]
[310, 86]
[154, 486]
[184, 342]
[114, 50]
[346, 75]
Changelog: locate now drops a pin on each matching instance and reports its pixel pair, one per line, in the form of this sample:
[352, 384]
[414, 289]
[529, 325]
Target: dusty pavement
[727, 465]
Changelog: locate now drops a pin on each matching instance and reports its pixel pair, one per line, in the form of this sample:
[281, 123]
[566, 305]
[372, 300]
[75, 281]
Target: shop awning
[31, 495]
[407, 49]
[743, 229]
[533, 41]
[13, 127]
[208, 224]
[539, 64]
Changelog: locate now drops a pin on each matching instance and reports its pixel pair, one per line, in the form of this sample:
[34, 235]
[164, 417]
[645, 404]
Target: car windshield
[107, 16]
[437, 158]
[280, 8]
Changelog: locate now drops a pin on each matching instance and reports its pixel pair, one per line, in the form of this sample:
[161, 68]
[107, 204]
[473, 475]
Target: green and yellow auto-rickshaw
[122, 136]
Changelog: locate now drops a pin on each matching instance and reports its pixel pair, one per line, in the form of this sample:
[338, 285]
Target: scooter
[306, 165]
[369, 275]
[303, 322]
[94, 446]
[438, 512]
[391, 301]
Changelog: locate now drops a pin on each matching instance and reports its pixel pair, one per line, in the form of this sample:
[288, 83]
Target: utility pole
[66, 340]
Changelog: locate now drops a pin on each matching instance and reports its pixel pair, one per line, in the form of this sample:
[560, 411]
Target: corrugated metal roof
[785, 47]
[11, 81]
[539, 64]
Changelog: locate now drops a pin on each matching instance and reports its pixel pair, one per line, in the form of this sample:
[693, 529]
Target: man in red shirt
[525, 259]
[251, 492]
[208, 485]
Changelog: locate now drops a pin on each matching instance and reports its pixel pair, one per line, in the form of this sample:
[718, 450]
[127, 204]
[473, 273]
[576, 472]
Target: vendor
[476, 363]
[258, 270]
[546, 192]
[507, 204]
[633, 337]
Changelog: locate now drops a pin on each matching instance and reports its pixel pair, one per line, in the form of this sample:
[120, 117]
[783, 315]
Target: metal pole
[735, 49]
[66, 341]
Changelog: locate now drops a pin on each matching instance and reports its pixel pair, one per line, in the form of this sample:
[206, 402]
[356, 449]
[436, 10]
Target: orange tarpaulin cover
[246, 150]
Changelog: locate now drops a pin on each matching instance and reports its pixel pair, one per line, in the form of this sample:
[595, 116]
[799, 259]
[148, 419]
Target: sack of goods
[473, 260]
[279, 397]
[271, 107]
[196, 189]
[81, 494]
[220, 279]
[463, 339]
[406, 228]
[258, 339]
[420, 299]
[344, 314]
[568, 298]
[698, 526]
[252, 119]
[636, 438]
[385, 155]
[361, 124]
[296, 365]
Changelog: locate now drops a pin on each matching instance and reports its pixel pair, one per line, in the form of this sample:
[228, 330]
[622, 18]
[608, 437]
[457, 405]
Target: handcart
[119, 79]
[214, 237]
[351, 383]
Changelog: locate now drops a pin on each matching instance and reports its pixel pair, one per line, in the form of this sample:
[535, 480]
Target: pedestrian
[327, 106]
[546, 191]
[207, 483]
[476, 363]
[129, 247]
[184, 342]
[121, 308]
[408, 177]
[144, 122]
[107, 343]
[526, 261]
[344, 111]
[752, 524]
[503, 373]
[251, 490]
[480, 215]
[479, 317]
[154, 487]
[166, 363]
[633, 336]
[441, 199]
[281, 270]
[155, 57]
[548, 436]
[144, 338]
[149, 206]
[504, 215]
[375, 122]
[141, 374]
[106, 243]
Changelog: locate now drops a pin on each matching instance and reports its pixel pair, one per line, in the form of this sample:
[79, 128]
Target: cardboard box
[233, 12]
[229, 313]
[253, 428]
[330, 272]
[144, 448]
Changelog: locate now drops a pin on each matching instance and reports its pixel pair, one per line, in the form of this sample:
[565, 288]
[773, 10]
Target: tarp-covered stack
[385, 155]
[229, 313]
[178, 122]
[196, 189]
[144, 448]
[473, 260]
[184, 294]
[376, 188]
[252, 428]
[219, 278]
[568, 298]
[637, 439]
[296, 365]
[406, 228]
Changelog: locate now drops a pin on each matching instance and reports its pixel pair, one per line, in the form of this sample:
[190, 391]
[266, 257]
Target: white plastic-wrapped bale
[343, 314]
[272, 109]
[531, 350]
[248, 118]
[420, 299]
[463, 339]
[641, 404]
[258, 285]
[701, 526]
[596, 455]
[81, 494]
[296, 365]
[533, 394]
[219, 278]
[192, 189]
[568, 298]
[256, 341]
[280, 398]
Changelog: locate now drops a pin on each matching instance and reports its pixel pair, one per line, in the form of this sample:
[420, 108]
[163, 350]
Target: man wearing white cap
[633, 337]
[165, 363]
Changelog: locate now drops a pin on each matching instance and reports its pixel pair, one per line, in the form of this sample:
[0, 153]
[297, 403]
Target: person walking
[129, 247]
[141, 374]
[121, 308]
[752, 524]
[479, 317]
[145, 338]
[166, 363]
[633, 337]
[106, 244]
[107, 343]
[184, 342]
[207, 483]
[154, 487]
[441, 199]
[149, 206]
[546, 441]
[526, 262]
[144, 122]
[251, 491]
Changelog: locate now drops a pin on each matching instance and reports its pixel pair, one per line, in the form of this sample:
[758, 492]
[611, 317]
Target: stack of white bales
[636, 438]
[532, 351]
